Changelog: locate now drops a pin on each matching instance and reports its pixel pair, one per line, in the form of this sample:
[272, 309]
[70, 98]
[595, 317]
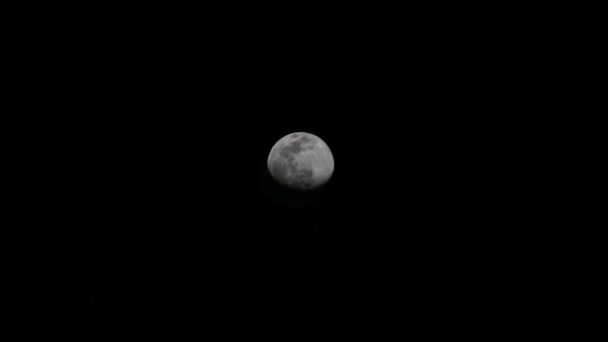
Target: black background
[146, 194]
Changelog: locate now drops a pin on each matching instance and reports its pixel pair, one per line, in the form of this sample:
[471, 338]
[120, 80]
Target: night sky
[149, 203]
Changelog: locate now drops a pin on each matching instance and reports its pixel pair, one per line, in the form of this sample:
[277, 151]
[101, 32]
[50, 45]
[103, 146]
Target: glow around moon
[301, 161]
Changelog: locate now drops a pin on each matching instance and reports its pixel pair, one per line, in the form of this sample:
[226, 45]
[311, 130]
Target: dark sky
[148, 198]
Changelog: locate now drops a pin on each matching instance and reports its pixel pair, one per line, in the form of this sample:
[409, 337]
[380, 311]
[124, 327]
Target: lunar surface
[301, 161]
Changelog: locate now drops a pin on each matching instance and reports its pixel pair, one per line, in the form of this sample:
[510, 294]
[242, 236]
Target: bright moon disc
[301, 161]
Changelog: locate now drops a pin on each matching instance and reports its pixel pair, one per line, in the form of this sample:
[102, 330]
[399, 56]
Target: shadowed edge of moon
[286, 196]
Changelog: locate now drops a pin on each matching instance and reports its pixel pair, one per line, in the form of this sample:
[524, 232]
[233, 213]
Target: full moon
[301, 161]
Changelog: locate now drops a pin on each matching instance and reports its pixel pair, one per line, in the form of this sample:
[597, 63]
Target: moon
[301, 161]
